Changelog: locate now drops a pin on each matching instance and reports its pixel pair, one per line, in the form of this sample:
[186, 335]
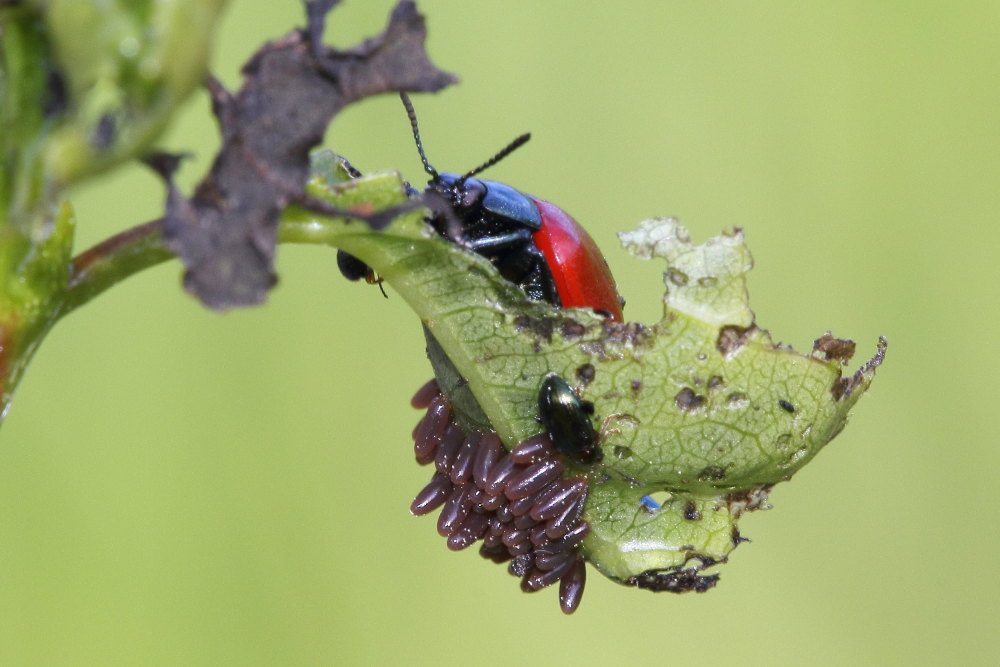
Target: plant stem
[141, 247]
[114, 260]
[311, 231]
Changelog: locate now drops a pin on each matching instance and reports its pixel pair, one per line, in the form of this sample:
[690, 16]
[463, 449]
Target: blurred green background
[179, 487]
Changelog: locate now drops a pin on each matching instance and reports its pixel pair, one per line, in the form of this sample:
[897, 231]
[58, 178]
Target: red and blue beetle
[534, 244]
[540, 248]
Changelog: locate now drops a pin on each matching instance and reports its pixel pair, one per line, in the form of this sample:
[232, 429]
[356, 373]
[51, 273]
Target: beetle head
[463, 192]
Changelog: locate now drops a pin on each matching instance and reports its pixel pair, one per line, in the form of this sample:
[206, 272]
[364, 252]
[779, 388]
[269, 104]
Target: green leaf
[701, 406]
[627, 537]
[139, 61]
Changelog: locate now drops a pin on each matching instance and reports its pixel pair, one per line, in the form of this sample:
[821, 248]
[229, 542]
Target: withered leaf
[226, 233]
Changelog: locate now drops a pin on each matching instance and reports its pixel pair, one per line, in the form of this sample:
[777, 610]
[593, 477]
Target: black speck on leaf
[687, 400]
[834, 349]
[103, 135]
[585, 373]
[56, 96]
[732, 338]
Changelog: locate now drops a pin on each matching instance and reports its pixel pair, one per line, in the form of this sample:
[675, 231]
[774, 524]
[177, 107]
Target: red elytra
[580, 272]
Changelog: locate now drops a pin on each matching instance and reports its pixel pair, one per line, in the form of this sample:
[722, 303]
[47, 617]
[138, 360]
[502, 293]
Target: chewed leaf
[714, 403]
[706, 282]
[699, 415]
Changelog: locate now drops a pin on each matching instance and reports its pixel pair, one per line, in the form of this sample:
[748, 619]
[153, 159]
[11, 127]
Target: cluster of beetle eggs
[516, 502]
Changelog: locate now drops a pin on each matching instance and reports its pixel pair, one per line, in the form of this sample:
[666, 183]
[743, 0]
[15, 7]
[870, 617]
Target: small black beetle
[567, 419]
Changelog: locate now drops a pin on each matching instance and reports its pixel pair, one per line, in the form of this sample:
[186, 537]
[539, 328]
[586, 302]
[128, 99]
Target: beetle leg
[519, 261]
[528, 270]
[491, 245]
[538, 283]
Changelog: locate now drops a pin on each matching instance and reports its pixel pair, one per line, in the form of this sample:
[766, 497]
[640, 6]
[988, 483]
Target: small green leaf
[138, 62]
[627, 537]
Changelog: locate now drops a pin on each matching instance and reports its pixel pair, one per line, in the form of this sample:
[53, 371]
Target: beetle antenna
[416, 134]
[510, 148]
